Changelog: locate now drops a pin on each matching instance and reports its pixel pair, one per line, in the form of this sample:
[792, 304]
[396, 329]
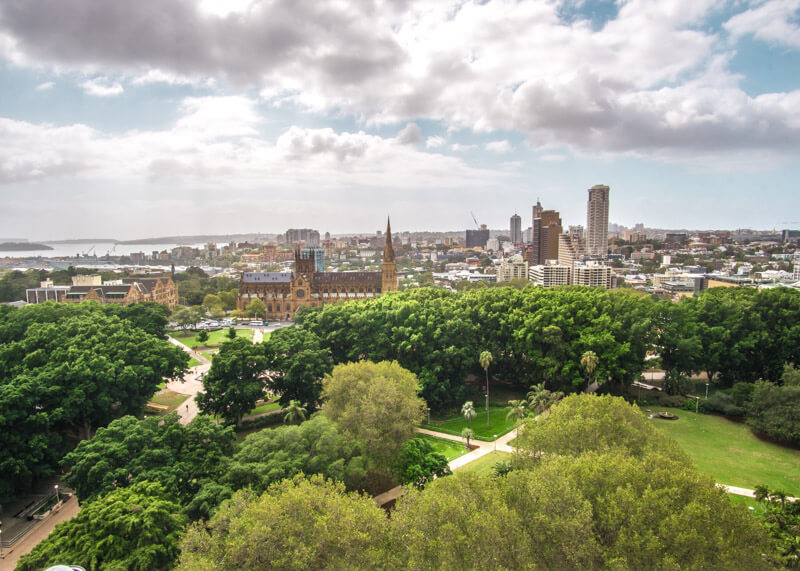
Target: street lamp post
[697, 406]
[429, 415]
[56, 487]
[706, 391]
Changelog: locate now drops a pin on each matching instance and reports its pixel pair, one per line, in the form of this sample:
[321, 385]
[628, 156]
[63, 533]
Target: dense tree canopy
[313, 447]
[136, 528]
[297, 361]
[297, 524]
[65, 370]
[235, 381]
[615, 503]
[540, 334]
[158, 449]
[376, 404]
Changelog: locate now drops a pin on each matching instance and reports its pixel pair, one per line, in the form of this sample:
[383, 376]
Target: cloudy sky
[140, 118]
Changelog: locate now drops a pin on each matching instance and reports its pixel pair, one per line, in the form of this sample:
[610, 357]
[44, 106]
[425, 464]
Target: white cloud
[411, 134]
[434, 142]
[774, 21]
[459, 147]
[215, 145]
[100, 87]
[498, 147]
[45, 86]
[645, 83]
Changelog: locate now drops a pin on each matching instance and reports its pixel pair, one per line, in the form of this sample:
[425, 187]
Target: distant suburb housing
[284, 293]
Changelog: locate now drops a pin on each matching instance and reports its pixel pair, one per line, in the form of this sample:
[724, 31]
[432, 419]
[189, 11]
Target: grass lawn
[170, 399]
[745, 501]
[449, 449]
[264, 408]
[455, 424]
[483, 465]
[194, 362]
[209, 354]
[731, 454]
[215, 338]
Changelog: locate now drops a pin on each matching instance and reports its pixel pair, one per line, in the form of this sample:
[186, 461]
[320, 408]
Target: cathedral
[283, 293]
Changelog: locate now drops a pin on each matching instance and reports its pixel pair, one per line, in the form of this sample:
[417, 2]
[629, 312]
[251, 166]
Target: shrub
[741, 393]
[672, 401]
[722, 403]
[775, 411]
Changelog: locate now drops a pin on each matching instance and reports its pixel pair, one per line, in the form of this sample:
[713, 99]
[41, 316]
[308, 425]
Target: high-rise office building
[597, 221]
[544, 235]
[516, 229]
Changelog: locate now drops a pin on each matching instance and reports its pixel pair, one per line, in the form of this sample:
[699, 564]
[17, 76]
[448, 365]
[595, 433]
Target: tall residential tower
[516, 229]
[597, 221]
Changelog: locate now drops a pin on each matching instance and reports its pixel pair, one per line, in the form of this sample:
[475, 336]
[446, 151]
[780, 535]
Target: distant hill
[200, 238]
[22, 246]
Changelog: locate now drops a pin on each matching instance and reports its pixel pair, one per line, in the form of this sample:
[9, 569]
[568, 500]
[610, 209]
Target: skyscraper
[544, 235]
[516, 229]
[597, 221]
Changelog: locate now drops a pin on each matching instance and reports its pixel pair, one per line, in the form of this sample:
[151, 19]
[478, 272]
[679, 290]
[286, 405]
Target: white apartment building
[592, 274]
[549, 275]
[512, 268]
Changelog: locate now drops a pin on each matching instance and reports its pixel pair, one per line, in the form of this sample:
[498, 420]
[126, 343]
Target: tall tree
[516, 409]
[297, 524]
[313, 447]
[235, 380]
[418, 463]
[467, 434]
[135, 528]
[297, 362]
[486, 360]
[158, 449]
[294, 412]
[468, 410]
[589, 361]
[375, 403]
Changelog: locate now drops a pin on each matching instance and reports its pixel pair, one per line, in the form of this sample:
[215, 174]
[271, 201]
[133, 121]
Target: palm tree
[467, 433]
[516, 409]
[540, 399]
[486, 360]
[468, 410]
[589, 362]
[294, 412]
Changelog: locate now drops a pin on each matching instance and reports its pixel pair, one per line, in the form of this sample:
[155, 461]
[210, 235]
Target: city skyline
[133, 120]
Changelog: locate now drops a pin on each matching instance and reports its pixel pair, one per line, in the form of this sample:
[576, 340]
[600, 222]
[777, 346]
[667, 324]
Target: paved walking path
[745, 492]
[190, 385]
[39, 533]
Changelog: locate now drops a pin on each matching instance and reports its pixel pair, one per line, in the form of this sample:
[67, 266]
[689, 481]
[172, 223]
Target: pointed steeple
[388, 252]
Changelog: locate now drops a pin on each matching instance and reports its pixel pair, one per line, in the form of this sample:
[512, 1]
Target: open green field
[194, 362]
[170, 399]
[448, 448]
[215, 338]
[455, 424]
[264, 408]
[731, 454]
[483, 465]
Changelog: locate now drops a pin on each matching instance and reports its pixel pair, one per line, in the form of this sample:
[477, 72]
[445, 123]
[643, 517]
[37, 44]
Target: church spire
[388, 252]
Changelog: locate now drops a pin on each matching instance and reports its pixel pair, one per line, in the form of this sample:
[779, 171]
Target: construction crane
[478, 226]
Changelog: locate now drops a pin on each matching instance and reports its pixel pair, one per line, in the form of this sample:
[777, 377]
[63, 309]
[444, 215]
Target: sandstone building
[284, 293]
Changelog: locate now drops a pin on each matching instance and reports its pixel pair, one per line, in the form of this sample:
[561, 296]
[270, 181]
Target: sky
[128, 119]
